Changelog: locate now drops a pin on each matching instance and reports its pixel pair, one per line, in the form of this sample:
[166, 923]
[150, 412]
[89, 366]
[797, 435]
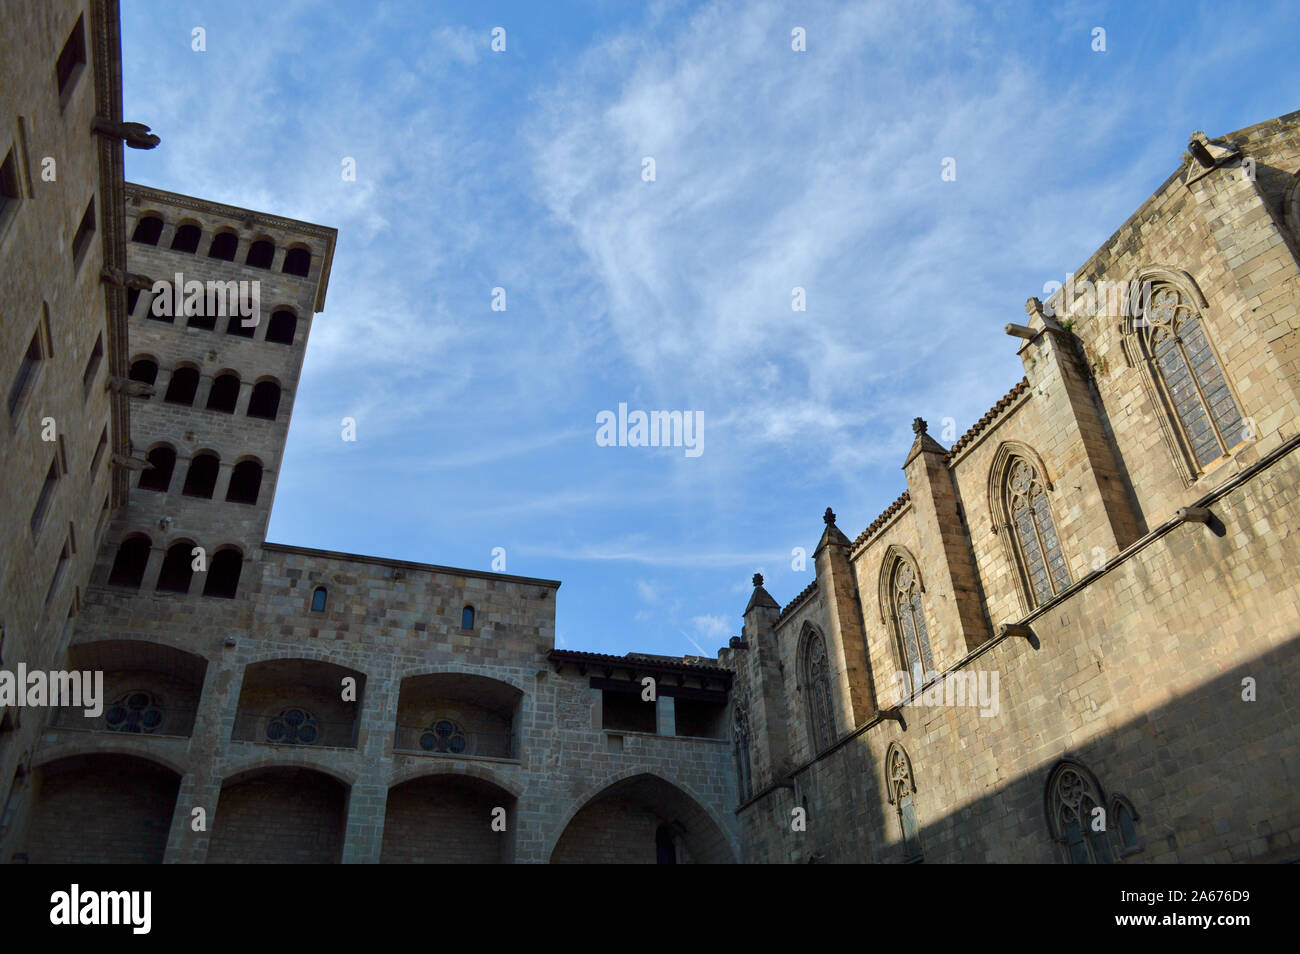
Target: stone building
[1103, 565]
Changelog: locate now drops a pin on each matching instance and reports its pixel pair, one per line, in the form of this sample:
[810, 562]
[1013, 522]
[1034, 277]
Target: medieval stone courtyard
[1071, 638]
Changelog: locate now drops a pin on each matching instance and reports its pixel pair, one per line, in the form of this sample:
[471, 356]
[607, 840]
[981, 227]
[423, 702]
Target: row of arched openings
[178, 567]
[201, 475]
[183, 386]
[280, 329]
[222, 246]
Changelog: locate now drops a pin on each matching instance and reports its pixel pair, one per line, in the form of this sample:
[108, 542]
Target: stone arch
[893, 553]
[458, 714]
[241, 768]
[305, 804]
[1004, 460]
[174, 759]
[661, 801]
[447, 818]
[1087, 794]
[422, 768]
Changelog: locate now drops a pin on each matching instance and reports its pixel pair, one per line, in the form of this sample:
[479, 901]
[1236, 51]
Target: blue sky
[774, 169]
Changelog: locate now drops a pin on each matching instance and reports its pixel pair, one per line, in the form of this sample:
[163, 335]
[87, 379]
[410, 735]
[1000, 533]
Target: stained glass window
[1035, 533]
[817, 680]
[1181, 354]
[901, 793]
[134, 712]
[1074, 802]
[910, 617]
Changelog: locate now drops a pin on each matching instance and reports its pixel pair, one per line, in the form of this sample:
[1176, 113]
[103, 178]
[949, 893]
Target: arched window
[223, 246]
[900, 596]
[148, 229]
[201, 478]
[318, 598]
[177, 568]
[297, 261]
[136, 711]
[265, 400]
[129, 564]
[1075, 814]
[260, 254]
[245, 482]
[235, 326]
[740, 744]
[224, 393]
[817, 692]
[144, 370]
[223, 574]
[443, 735]
[182, 387]
[282, 327]
[1187, 375]
[186, 239]
[901, 790]
[1033, 531]
[467, 618]
[159, 475]
[1122, 823]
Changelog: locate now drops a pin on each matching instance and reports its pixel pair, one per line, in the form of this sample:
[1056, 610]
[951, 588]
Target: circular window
[444, 736]
[134, 712]
[293, 727]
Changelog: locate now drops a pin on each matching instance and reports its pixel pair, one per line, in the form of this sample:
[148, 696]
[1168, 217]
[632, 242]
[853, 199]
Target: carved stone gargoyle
[130, 387]
[135, 135]
[131, 463]
[116, 277]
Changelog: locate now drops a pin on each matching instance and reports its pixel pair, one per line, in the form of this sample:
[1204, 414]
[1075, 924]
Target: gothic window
[1078, 823]
[1179, 355]
[134, 712]
[817, 693]
[1122, 822]
[292, 727]
[902, 792]
[740, 741]
[909, 619]
[1034, 532]
[443, 735]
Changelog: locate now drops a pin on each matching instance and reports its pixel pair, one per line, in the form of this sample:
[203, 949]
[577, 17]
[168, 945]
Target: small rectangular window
[38, 350]
[72, 61]
[11, 193]
[92, 365]
[43, 501]
[99, 450]
[85, 232]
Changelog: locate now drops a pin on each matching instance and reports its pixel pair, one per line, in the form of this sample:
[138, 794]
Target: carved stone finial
[758, 579]
[829, 517]
[919, 426]
[1033, 306]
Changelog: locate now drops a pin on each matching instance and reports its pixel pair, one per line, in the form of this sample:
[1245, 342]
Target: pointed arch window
[907, 612]
[902, 790]
[740, 742]
[817, 689]
[1188, 376]
[1034, 532]
[1078, 822]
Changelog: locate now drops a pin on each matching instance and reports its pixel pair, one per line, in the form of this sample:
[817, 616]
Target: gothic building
[1071, 638]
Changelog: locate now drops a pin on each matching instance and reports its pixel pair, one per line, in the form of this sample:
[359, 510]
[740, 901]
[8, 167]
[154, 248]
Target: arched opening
[223, 246]
[201, 478]
[282, 327]
[467, 618]
[148, 229]
[223, 574]
[144, 370]
[260, 254]
[265, 400]
[622, 825]
[186, 239]
[245, 482]
[182, 387]
[177, 568]
[305, 810]
[318, 598]
[235, 326]
[448, 819]
[102, 809]
[297, 702]
[224, 393]
[457, 714]
[149, 689]
[297, 261]
[130, 562]
[158, 476]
